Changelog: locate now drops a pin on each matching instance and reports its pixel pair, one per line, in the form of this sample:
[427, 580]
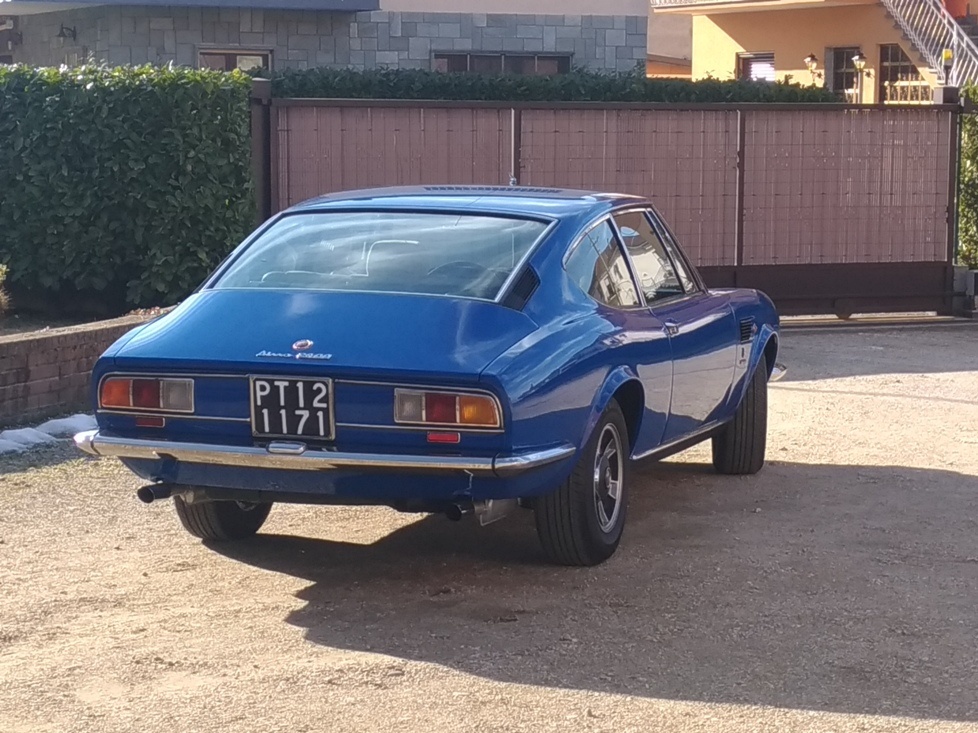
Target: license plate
[292, 408]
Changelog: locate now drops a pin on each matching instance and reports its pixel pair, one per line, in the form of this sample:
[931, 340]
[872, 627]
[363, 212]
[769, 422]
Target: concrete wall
[793, 34]
[301, 39]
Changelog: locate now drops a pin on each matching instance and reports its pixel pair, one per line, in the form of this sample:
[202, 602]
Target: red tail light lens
[143, 393]
[463, 409]
[440, 408]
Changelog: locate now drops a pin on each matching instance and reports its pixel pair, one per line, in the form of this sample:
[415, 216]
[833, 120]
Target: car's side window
[682, 268]
[656, 275]
[599, 267]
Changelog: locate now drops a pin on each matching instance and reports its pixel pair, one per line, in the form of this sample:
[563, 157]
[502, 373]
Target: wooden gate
[827, 208]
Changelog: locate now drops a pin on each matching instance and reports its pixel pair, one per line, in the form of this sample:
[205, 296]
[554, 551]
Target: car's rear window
[388, 252]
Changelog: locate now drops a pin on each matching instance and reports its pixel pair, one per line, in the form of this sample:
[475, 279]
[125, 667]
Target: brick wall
[303, 39]
[47, 373]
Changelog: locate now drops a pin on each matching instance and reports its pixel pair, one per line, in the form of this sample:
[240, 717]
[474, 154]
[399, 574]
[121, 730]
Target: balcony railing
[911, 91]
[672, 3]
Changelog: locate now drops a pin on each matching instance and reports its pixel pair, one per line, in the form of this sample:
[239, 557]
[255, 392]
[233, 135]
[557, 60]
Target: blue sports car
[451, 349]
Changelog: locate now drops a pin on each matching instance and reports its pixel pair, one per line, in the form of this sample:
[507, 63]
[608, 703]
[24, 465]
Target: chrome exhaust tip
[153, 492]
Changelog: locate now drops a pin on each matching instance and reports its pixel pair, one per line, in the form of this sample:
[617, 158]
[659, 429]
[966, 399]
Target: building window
[842, 72]
[231, 60]
[755, 66]
[498, 63]
[899, 79]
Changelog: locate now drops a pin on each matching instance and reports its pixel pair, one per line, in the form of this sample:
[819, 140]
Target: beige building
[864, 50]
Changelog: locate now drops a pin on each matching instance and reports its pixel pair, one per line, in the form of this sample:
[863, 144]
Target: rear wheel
[740, 447]
[581, 523]
[221, 520]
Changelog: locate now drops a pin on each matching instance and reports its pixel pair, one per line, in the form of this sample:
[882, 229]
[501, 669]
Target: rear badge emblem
[302, 346]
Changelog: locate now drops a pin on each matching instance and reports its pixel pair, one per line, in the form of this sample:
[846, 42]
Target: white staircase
[931, 30]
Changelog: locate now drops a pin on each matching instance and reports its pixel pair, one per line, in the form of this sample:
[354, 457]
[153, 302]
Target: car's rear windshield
[387, 252]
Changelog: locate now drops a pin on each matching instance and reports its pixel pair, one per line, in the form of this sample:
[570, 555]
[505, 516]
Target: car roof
[548, 202]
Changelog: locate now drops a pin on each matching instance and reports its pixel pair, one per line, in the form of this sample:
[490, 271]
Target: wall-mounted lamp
[859, 62]
[947, 60]
[811, 62]
[65, 33]
[14, 39]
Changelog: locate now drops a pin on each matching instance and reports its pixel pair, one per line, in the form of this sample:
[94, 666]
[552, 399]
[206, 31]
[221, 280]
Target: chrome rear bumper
[297, 457]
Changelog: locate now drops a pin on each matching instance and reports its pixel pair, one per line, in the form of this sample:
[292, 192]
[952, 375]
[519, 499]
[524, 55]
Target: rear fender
[615, 379]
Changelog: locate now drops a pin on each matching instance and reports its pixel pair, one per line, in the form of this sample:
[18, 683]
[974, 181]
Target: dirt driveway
[836, 591]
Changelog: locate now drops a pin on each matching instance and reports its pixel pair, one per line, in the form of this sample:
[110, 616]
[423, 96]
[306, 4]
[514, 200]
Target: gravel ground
[835, 591]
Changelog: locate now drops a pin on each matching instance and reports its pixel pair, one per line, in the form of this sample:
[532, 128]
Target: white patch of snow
[65, 427]
[27, 437]
[18, 440]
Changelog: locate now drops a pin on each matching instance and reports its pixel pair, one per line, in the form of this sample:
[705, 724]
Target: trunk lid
[365, 335]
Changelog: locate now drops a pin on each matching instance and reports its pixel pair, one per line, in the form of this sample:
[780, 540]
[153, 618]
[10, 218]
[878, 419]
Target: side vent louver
[525, 285]
[746, 330]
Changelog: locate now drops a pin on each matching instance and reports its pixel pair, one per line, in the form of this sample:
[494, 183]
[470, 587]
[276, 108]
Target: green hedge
[4, 300]
[578, 86]
[968, 187]
[120, 185]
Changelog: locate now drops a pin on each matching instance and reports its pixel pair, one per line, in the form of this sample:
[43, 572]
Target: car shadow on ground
[849, 589]
[852, 351]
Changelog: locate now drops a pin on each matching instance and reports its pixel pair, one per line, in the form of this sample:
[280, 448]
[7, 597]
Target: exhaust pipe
[455, 512]
[149, 494]
[488, 511]
[492, 510]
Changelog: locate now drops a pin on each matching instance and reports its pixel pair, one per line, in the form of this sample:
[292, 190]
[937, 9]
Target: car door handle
[672, 328]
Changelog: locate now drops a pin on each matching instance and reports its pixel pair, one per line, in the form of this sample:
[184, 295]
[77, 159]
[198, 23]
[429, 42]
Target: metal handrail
[932, 29]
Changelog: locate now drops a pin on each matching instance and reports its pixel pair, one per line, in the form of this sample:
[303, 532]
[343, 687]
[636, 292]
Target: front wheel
[581, 523]
[740, 447]
[221, 520]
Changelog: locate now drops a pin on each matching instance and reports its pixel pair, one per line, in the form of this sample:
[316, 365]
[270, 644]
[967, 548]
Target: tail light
[462, 409]
[142, 393]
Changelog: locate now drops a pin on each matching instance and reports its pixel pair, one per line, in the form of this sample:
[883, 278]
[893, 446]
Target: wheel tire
[573, 522]
[221, 520]
[740, 448]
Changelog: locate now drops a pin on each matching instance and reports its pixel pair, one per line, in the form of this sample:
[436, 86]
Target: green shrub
[578, 86]
[4, 299]
[121, 185]
[968, 188]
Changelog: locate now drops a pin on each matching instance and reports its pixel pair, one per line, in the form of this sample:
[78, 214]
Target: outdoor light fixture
[859, 61]
[811, 61]
[65, 33]
[947, 59]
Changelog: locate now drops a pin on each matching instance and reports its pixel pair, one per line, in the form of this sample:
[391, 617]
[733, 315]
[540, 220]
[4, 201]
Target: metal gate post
[741, 160]
[516, 145]
[261, 101]
[954, 177]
